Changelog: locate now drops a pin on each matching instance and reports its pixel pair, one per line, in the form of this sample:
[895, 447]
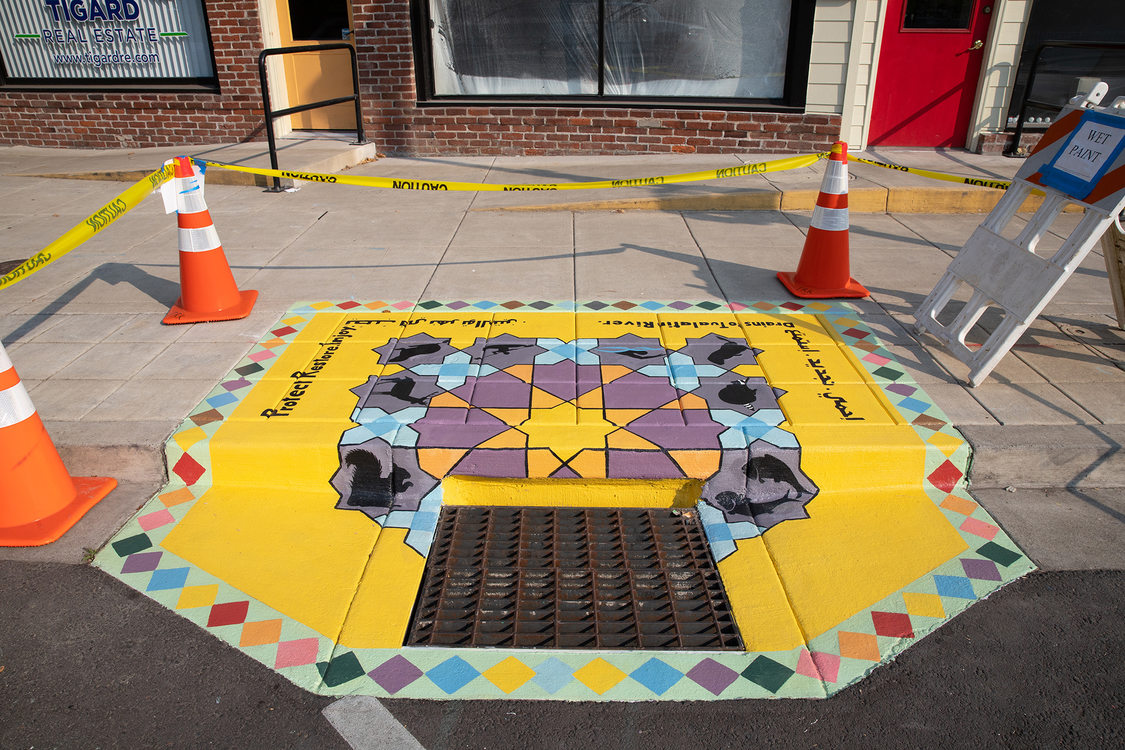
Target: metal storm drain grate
[601, 578]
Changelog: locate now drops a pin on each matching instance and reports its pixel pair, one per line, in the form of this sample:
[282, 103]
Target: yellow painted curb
[758, 200]
[913, 200]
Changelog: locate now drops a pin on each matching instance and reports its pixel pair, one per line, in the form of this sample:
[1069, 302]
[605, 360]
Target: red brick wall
[997, 143]
[392, 117]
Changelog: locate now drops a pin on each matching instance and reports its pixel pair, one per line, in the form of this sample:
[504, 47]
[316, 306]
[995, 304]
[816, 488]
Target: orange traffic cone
[207, 288]
[823, 271]
[39, 501]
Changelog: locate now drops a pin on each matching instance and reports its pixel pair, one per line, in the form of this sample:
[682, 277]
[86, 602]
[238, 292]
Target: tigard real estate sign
[90, 40]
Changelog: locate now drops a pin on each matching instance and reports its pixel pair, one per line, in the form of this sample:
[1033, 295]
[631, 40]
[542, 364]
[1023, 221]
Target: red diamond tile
[188, 469]
[348, 305]
[231, 613]
[792, 305]
[892, 624]
[946, 476]
[284, 331]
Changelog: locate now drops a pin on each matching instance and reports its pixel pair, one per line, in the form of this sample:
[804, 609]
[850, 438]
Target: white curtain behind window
[534, 47]
[696, 48]
[675, 48]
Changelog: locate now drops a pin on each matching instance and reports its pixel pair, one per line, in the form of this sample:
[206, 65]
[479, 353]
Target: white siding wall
[1005, 37]
[842, 65]
[832, 34]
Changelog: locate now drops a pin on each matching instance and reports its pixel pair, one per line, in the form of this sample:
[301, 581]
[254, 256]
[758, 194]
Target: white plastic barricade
[1081, 159]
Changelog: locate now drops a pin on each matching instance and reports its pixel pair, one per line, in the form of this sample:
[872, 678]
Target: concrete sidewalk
[112, 382]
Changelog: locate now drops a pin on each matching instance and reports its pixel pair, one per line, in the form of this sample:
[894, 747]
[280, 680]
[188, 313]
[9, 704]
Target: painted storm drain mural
[621, 408]
[311, 490]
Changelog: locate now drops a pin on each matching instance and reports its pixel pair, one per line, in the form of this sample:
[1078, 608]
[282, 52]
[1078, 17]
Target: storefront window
[97, 42]
[698, 49]
[1064, 72]
[489, 47]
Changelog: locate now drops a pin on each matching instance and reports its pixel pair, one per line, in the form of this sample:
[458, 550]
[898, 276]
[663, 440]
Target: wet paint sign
[1082, 165]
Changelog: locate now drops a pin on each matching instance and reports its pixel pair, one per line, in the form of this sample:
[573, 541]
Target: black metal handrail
[272, 114]
[1013, 148]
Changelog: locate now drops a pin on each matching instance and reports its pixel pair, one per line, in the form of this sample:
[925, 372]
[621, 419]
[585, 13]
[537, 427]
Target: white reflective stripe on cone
[830, 219]
[191, 197]
[15, 405]
[835, 179]
[199, 240]
[5, 363]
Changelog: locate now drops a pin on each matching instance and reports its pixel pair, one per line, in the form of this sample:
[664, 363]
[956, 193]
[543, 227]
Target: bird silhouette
[504, 349]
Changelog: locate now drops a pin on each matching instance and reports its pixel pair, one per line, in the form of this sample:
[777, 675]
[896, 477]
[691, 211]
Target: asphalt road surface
[88, 663]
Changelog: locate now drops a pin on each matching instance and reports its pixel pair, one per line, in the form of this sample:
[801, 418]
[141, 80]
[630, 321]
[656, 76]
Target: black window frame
[797, 61]
[81, 85]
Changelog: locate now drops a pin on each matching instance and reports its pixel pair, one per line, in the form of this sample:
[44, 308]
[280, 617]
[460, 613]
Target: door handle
[976, 45]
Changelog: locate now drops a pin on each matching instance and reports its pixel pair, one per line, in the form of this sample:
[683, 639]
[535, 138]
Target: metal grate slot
[512, 577]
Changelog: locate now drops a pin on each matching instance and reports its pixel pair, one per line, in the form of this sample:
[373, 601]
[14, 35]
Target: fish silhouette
[726, 351]
[633, 353]
[369, 489]
[640, 354]
[409, 352]
[736, 505]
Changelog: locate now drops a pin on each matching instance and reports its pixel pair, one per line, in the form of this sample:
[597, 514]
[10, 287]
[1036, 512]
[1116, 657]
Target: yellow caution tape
[998, 184]
[90, 226]
[778, 165]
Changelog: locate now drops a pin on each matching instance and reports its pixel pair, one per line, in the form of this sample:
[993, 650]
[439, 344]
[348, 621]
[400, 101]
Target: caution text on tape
[997, 184]
[777, 165]
[90, 226]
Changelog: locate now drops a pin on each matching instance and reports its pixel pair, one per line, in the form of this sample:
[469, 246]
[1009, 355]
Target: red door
[928, 68]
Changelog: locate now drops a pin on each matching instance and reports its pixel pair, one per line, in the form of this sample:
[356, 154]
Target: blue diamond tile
[222, 399]
[656, 675]
[172, 578]
[453, 674]
[954, 586]
[553, 675]
[914, 405]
